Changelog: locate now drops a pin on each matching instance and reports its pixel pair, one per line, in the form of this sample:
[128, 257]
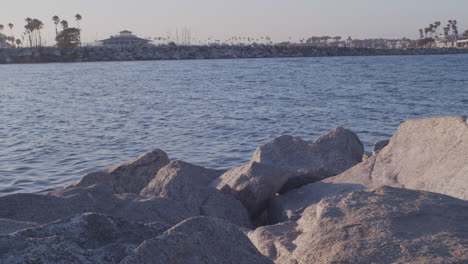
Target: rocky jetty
[296, 201]
[173, 52]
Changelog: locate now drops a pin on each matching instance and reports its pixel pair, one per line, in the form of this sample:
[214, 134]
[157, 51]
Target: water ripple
[59, 121]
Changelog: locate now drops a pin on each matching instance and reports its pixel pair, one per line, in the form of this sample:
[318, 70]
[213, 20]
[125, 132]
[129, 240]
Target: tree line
[67, 37]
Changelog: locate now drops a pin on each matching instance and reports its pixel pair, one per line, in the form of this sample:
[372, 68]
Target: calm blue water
[59, 121]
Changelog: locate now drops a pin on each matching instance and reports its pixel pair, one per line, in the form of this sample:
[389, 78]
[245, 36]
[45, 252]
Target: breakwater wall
[167, 52]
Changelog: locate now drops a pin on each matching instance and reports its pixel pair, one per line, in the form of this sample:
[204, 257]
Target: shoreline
[291, 192]
[102, 54]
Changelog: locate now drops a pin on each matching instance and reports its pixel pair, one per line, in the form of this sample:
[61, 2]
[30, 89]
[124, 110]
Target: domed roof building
[125, 39]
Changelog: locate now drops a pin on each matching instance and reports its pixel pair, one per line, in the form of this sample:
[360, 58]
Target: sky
[281, 20]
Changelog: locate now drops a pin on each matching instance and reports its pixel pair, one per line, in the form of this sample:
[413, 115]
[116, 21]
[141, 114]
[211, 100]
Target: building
[124, 39]
[451, 41]
[445, 41]
[462, 43]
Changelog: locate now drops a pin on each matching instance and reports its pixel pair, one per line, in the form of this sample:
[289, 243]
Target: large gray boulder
[198, 240]
[289, 162]
[428, 154]
[179, 179]
[131, 176]
[388, 225]
[190, 185]
[86, 238]
[253, 184]
[329, 155]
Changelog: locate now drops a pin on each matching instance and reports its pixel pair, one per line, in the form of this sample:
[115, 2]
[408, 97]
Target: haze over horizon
[279, 20]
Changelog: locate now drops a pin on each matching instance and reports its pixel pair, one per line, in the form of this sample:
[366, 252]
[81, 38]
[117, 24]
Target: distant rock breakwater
[82, 54]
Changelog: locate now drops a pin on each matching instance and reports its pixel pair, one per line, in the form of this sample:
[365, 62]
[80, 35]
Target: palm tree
[38, 25]
[64, 24]
[10, 25]
[436, 25]
[1, 28]
[56, 20]
[29, 30]
[78, 19]
[454, 27]
[18, 43]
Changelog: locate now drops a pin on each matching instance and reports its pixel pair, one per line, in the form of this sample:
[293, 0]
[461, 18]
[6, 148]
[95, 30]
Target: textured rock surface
[190, 185]
[100, 199]
[428, 154]
[179, 179]
[388, 225]
[290, 205]
[131, 176]
[289, 162]
[8, 226]
[331, 154]
[198, 240]
[253, 184]
[87, 238]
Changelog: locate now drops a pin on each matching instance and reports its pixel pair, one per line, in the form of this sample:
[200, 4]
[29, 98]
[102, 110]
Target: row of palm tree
[33, 29]
[10, 38]
[430, 31]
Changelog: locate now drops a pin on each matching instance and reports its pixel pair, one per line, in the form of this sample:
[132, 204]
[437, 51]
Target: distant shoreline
[166, 52]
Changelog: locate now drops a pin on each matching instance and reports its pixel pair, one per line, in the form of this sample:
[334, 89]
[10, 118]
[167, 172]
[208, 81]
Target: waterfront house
[124, 39]
[451, 41]
[462, 43]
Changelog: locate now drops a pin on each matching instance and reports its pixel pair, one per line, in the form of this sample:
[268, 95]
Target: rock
[344, 141]
[253, 184]
[198, 240]
[290, 205]
[8, 226]
[388, 225]
[86, 238]
[331, 154]
[131, 176]
[379, 145]
[98, 198]
[276, 241]
[178, 180]
[190, 185]
[428, 154]
[287, 163]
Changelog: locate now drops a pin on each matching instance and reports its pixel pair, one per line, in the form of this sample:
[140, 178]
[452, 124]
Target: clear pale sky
[279, 19]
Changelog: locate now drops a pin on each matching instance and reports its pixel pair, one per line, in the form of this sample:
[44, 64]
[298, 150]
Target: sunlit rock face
[428, 154]
[388, 225]
[289, 162]
[131, 176]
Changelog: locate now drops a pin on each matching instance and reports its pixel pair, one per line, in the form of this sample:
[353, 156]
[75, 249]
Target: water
[59, 121]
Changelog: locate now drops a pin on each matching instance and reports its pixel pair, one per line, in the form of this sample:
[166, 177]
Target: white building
[462, 43]
[451, 41]
[125, 38]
